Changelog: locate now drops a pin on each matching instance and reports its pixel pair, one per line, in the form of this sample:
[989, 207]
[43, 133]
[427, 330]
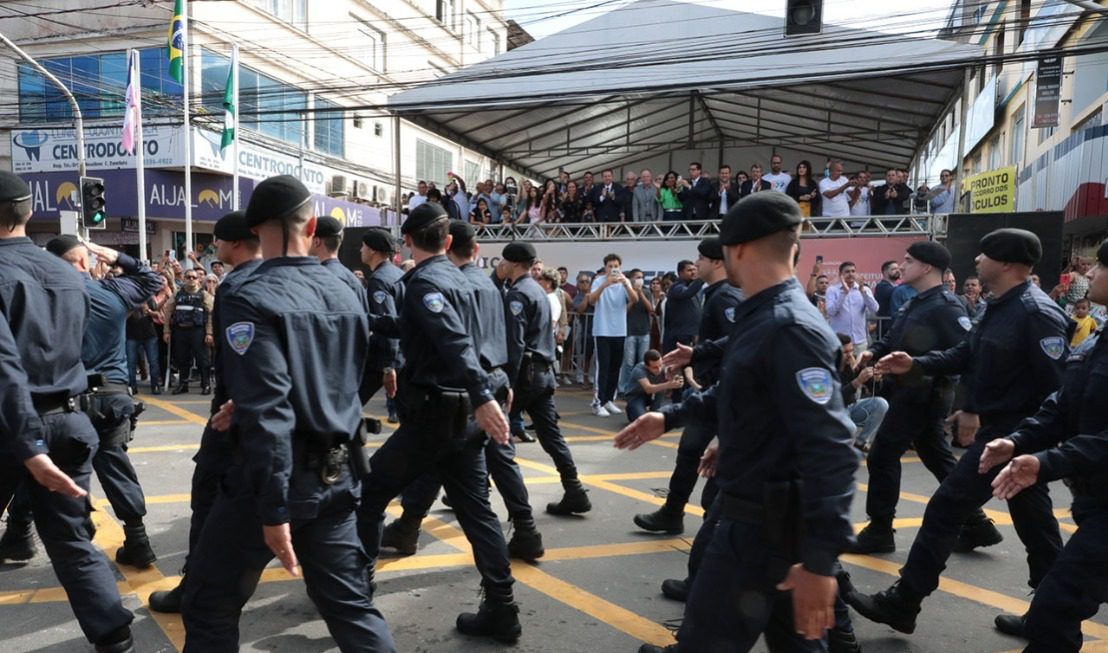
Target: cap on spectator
[1012, 246]
[276, 198]
[463, 234]
[710, 248]
[326, 226]
[61, 245]
[379, 240]
[1102, 253]
[758, 216]
[931, 253]
[517, 252]
[13, 188]
[232, 227]
[423, 215]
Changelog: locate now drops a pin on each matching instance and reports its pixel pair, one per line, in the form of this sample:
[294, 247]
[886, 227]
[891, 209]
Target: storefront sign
[1048, 91]
[993, 191]
[55, 150]
[257, 163]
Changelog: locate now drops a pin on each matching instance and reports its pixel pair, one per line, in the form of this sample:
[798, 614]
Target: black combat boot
[676, 589]
[402, 534]
[842, 641]
[498, 617]
[118, 641]
[575, 500]
[667, 519]
[168, 602]
[181, 389]
[18, 543]
[876, 537]
[526, 542]
[136, 551]
[1011, 624]
[980, 533]
[896, 607]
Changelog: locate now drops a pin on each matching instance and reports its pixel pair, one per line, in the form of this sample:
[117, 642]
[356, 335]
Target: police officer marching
[235, 245]
[385, 294]
[325, 247]
[296, 338]
[784, 465]
[188, 330]
[45, 439]
[448, 403]
[1012, 360]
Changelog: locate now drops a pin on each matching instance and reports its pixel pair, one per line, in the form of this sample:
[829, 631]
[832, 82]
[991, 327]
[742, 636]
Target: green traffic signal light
[93, 205]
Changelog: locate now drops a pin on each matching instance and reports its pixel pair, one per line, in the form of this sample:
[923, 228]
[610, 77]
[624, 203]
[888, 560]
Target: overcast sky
[544, 17]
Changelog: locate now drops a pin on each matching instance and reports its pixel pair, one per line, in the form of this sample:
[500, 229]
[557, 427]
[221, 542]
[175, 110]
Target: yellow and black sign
[993, 191]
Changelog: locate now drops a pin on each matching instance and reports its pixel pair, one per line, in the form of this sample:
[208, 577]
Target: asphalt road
[596, 589]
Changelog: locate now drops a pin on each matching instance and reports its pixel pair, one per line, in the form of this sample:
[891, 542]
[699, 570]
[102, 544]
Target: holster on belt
[328, 461]
[359, 457]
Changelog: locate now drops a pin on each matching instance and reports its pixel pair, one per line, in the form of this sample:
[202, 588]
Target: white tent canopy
[658, 76]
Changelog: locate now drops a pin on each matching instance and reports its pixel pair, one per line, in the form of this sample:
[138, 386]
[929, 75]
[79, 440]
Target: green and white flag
[230, 95]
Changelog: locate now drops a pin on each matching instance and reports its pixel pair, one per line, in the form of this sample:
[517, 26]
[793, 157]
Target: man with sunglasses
[189, 331]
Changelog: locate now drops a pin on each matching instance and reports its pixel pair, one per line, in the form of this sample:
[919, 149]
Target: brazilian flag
[177, 42]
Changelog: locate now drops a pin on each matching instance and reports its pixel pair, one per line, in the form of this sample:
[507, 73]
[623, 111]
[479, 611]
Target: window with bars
[433, 162]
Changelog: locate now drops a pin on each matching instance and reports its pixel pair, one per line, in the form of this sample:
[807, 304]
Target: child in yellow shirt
[1085, 323]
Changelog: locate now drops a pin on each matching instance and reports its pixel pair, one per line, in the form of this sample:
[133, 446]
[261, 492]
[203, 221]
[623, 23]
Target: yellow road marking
[163, 422]
[177, 410]
[163, 448]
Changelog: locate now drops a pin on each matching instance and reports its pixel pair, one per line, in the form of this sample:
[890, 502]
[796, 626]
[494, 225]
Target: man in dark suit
[725, 193]
[694, 194]
[755, 183]
[607, 198]
[889, 199]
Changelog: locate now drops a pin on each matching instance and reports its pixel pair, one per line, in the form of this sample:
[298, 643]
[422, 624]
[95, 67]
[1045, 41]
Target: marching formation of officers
[282, 471]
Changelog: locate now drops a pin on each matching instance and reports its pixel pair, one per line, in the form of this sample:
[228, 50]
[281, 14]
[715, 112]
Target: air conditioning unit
[361, 190]
[340, 186]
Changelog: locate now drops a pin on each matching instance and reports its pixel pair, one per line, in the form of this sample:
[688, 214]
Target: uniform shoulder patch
[434, 301]
[815, 383]
[380, 296]
[515, 306]
[1053, 346]
[239, 336]
[965, 323]
[729, 313]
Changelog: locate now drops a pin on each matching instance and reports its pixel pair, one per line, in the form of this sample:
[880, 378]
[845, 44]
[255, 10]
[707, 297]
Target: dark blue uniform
[1012, 360]
[335, 267]
[294, 341]
[440, 385]
[1077, 417]
[45, 308]
[385, 294]
[933, 319]
[785, 472]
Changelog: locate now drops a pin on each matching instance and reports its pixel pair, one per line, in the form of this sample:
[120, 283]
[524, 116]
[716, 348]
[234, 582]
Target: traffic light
[803, 17]
[93, 208]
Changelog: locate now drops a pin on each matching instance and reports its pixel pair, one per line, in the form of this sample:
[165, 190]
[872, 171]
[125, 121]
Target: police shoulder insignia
[965, 323]
[239, 336]
[380, 296]
[516, 307]
[434, 302]
[729, 313]
[815, 383]
[1053, 346]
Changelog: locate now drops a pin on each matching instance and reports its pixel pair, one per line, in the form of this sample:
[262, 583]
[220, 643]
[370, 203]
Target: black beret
[463, 233]
[276, 198]
[326, 226]
[62, 244]
[711, 248]
[232, 227]
[1102, 253]
[517, 252]
[757, 216]
[423, 215]
[931, 253]
[379, 240]
[12, 188]
[1012, 246]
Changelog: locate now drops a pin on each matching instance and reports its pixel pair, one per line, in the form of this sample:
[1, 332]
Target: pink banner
[867, 254]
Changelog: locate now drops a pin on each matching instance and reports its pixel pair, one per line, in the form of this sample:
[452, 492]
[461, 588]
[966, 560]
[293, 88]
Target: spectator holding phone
[848, 301]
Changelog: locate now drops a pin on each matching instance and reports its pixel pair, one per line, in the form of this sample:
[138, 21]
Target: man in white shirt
[420, 197]
[848, 303]
[833, 188]
[610, 294]
[858, 195]
[778, 180]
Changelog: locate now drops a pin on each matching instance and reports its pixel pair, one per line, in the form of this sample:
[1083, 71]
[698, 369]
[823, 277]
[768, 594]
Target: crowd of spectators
[652, 196]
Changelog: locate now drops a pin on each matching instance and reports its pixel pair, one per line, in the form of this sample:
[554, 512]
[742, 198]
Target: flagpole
[140, 154]
[235, 143]
[188, 131]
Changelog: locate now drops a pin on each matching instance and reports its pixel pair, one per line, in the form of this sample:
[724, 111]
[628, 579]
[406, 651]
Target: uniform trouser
[609, 355]
[188, 346]
[415, 449]
[733, 600]
[500, 459]
[957, 499]
[19, 509]
[372, 381]
[65, 528]
[694, 440]
[536, 396]
[1074, 588]
[908, 422]
[212, 461]
[231, 554]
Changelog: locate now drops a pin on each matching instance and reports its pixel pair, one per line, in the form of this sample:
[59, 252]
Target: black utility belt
[330, 463]
[741, 510]
[55, 405]
[111, 389]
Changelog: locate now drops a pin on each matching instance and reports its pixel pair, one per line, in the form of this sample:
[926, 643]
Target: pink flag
[131, 112]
